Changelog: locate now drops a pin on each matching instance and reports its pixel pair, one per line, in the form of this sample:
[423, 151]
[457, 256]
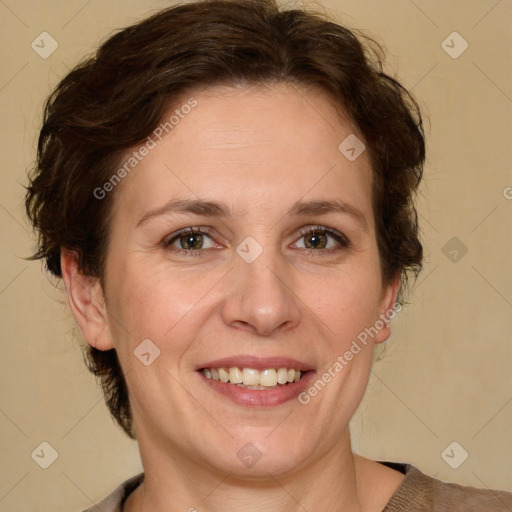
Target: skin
[259, 150]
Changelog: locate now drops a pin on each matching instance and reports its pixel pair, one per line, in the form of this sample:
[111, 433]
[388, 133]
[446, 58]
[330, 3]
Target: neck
[175, 483]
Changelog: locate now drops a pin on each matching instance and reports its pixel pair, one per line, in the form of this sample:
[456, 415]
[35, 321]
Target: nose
[261, 299]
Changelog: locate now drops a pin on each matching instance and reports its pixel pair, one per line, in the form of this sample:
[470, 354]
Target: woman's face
[245, 170]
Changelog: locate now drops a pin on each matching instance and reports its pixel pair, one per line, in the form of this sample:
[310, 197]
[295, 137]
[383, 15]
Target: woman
[227, 190]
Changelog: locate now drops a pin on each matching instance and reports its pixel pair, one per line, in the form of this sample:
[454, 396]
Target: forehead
[249, 145]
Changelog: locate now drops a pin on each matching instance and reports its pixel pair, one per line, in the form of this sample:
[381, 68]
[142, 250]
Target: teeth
[268, 378]
[252, 378]
[235, 376]
[282, 375]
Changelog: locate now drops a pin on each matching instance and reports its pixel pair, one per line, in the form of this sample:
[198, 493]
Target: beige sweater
[416, 493]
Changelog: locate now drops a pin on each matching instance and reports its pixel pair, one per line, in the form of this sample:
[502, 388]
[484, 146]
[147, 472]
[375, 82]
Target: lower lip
[259, 397]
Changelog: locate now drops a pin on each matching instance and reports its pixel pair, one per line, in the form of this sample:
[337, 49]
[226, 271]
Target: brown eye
[316, 240]
[190, 240]
[321, 238]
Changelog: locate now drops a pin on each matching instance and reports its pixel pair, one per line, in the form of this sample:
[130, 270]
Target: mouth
[251, 378]
[254, 381]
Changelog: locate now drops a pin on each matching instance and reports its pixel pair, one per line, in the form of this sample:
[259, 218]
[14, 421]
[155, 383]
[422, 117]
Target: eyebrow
[219, 210]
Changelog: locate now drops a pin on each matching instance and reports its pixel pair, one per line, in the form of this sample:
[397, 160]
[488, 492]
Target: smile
[251, 378]
[255, 381]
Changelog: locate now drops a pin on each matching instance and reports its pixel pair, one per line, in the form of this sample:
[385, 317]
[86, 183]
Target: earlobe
[87, 302]
[390, 295]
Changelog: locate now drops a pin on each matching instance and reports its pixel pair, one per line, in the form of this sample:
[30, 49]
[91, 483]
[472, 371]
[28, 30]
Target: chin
[253, 458]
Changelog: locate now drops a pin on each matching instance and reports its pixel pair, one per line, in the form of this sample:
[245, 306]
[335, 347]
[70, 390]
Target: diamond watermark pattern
[454, 45]
[146, 352]
[249, 455]
[44, 45]
[454, 455]
[352, 147]
[249, 250]
[454, 249]
[45, 455]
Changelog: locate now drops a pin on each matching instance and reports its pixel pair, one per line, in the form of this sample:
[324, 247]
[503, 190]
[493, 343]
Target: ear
[387, 311]
[87, 302]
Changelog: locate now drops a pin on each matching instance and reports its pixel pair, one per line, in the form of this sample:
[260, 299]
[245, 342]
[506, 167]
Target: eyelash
[339, 237]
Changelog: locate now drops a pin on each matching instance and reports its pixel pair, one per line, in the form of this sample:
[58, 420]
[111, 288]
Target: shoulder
[114, 501]
[422, 493]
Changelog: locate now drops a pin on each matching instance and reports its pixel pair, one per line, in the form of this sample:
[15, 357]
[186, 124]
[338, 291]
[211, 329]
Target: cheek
[150, 298]
[348, 302]
[151, 301]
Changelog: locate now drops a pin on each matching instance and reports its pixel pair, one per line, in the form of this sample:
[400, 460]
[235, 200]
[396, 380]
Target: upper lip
[258, 363]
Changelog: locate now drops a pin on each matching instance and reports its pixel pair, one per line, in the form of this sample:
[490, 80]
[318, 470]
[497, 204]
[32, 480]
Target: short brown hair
[113, 101]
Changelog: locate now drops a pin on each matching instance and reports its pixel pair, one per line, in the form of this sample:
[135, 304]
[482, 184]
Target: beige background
[446, 373]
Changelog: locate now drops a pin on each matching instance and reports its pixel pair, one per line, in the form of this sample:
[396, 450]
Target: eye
[322, 239]
[194, 241]
[190, 241]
